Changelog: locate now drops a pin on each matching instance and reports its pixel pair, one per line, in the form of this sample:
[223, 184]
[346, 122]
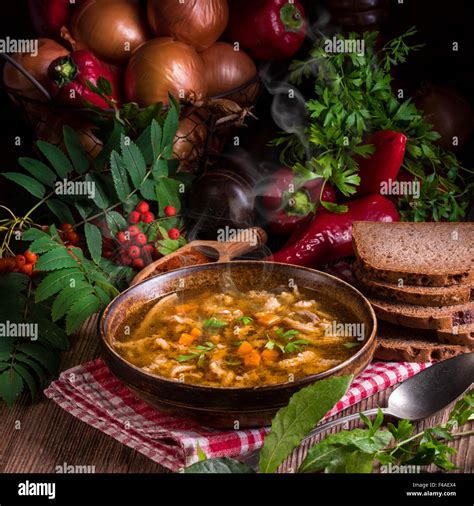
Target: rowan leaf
[56, 157]
[66, 298]
[80, 311]
[56, 281]
[27, 378]
[11, 386]
[75, 150]
[119, 176]
[38, 170]
[33, 186]
[60, 210]
[94, 241]
[48, 358]
[133, 161]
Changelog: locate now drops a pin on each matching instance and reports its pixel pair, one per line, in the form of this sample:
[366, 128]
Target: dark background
[439, 23]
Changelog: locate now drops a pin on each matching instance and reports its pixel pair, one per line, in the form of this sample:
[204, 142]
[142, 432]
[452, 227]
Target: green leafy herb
[291, 346]
[214, 323]
[246, 320]
[337, 450]
[351, 345]
[221, 466]
[357, 450]
[198, 353]
[286, 334]
[397, 445]
[352, 96]
[292, 423]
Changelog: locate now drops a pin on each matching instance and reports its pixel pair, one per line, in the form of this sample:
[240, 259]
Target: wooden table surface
[37, 438]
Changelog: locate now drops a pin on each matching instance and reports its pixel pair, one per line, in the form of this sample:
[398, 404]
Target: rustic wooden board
[37, 438]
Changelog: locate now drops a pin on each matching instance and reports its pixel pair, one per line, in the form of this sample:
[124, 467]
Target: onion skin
[163, 66]
[198, 23]
[448, 112]
[189, 141]
[50, 129]
[110, 29]
[48, 50]
[226, 68]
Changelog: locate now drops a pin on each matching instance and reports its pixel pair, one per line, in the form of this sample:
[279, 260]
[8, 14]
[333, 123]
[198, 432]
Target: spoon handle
[338, 421]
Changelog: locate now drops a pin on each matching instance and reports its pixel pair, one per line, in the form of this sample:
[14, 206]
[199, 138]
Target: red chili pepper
[69, 76]
[329, 236]
[286, 203]
[382, 165]
[267, 29]
[48, 16]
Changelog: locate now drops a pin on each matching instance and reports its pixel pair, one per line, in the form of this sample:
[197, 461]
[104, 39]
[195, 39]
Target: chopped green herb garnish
[291, 346]
[199, 353]
[351, 345]
[232, 363]
[215, 323]
[246, 320]
[286, 334]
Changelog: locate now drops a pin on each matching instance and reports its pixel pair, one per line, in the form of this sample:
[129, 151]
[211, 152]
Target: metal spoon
[419, 397]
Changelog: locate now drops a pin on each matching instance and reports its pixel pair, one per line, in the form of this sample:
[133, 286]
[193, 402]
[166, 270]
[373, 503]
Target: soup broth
[238, 339]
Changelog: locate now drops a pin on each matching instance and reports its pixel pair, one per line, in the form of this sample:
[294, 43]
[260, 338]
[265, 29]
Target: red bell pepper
[286, 203]
[267, 29]
[49, 16]
[69, 76]
[329, 236]
[382, 165]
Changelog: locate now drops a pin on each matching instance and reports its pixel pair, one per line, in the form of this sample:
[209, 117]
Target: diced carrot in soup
[196, 333]
[268, 319]
[270, 355]
[252, 359]
[186, 339]
[245, 348]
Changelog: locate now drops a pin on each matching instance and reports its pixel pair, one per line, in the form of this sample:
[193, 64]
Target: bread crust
[392, 257]
[409, 294]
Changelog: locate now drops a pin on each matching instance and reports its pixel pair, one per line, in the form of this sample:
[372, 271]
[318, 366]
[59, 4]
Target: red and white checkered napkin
[91, 393]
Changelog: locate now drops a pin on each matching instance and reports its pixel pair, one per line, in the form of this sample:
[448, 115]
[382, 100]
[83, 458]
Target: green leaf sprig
[353, 96]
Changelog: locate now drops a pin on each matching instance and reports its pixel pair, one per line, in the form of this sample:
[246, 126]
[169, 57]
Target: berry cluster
[24, 263]
[69, 235]
[134, 249]
[141, 214]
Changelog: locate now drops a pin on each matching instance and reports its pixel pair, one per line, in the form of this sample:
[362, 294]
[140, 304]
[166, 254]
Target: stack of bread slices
[419, 278]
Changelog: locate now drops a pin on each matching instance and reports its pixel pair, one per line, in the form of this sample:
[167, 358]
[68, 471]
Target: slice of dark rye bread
[409, 294]
[424, 317]
[422, 254]
[464, 335]
[402, 344]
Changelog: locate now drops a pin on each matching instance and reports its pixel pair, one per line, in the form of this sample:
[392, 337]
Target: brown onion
[189, 141]
[37, 66]
[111, 29]
[198, 23]
[227, 69]
[163, 66]
[49, 128]
[448, 112]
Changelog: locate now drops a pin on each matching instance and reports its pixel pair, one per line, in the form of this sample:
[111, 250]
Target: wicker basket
[216, 117]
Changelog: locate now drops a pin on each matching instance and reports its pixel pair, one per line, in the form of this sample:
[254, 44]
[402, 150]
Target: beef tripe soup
[238, 339]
